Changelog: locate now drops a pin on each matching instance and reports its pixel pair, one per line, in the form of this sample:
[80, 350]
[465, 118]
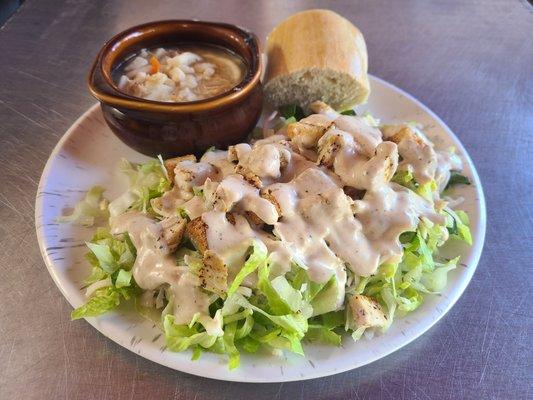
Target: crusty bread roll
[316, 55]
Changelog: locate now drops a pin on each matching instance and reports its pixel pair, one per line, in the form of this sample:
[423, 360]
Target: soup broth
[180, 74]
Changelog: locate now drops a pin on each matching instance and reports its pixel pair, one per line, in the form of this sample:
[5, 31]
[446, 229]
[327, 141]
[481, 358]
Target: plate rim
[475, 253]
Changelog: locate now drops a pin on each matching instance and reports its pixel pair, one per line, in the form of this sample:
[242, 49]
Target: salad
[324, 225]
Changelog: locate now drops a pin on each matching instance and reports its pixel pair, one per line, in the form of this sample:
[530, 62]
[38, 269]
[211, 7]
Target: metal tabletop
[471, 62]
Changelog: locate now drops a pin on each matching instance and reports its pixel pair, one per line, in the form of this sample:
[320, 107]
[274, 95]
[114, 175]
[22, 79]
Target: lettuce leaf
[318, 333]
[181, 337]
[258, 256]
[458, 223]
[102, 301]
[112, 258]
[146, 181]
[456, 179]
[91, 208]
[282, 297]
[292, 111]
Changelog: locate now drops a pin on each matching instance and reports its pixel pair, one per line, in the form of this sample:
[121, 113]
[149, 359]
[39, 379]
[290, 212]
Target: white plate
[88, 154]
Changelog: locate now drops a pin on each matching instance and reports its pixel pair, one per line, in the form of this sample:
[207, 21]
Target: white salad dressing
[360, 172]
[389, 211]
[418, 155]
[318, 220]
[446, 161]
[298, 193]
[154, 266]
[219, 159]
[230, 240]
[366, 136]
[234, 191]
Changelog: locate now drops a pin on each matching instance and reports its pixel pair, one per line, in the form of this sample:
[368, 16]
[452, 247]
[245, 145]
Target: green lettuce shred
[92, 208]
[146, 181]
[284, 310]
[111, 257]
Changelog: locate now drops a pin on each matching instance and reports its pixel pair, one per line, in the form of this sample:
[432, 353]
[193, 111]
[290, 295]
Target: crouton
[171, 163]
[254, 219]
[249, 176]
[173, 229]
[196, 231]
[365, 312]
[213, 274]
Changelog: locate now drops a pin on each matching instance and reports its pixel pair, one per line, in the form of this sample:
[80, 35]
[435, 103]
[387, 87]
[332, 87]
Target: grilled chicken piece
[418, 154]
[189, 174]
[214, 273]
[171, 163]
[306, 133]
[267, 195]
[397, 133]
[330, 144]
[384, 163]
[196, 231]
[365, 312]
[320, 107]
[173, 230]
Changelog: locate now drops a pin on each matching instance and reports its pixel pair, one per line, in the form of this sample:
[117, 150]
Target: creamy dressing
[230, 241]
[189, 174]
[446, 162]
[154, 266]
[219, 159]
[167, 205]
[317, 219]
[420, 160]
[366, 136]
[195, 207]
[418, 155]
[234, 191]
[360, 172]
[389, 211]
[294, 189]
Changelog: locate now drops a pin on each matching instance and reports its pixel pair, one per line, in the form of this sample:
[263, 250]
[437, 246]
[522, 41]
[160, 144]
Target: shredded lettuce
[400, 287]
[102, 301]
[348, 112]
[146, 181]
[457, 179]
[90, 209]
[457, 223]
[112, 258]
[406, 179]
[285, 309]
[292, 112]
[370, 119]
[181, 337]
[258, 256]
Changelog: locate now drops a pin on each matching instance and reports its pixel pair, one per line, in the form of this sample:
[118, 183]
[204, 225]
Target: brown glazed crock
[172, 129]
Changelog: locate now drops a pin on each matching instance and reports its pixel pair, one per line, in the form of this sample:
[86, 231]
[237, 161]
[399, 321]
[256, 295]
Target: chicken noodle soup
[180, 74]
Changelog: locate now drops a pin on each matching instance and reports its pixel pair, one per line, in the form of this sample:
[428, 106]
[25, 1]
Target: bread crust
[318, 42]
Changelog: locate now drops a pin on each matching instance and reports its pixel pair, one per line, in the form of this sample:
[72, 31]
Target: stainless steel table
[471, 62]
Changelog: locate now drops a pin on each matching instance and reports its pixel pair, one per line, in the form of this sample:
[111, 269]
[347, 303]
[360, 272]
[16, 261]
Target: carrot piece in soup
[155, 65]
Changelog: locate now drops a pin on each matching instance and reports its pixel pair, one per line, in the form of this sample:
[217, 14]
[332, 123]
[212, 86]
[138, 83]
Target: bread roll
[316, 55]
